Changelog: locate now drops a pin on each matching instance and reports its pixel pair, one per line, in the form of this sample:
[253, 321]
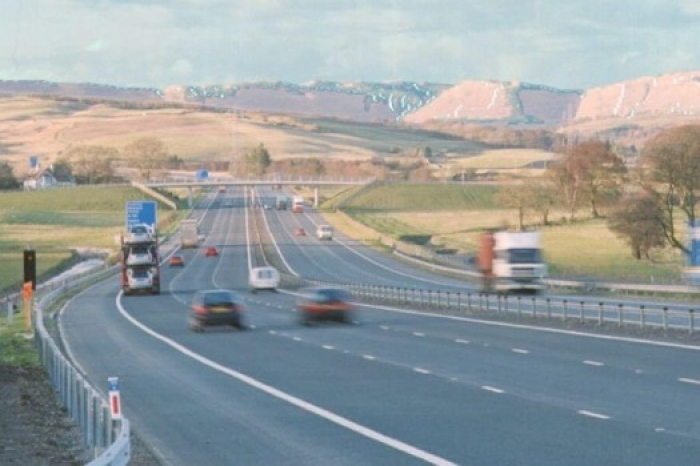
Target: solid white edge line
[293, 400]
[593, 415]
[533, 328]
[420, 370]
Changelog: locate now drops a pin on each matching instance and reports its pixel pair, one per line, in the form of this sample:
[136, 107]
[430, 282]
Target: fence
[108, 438]
[536, 307]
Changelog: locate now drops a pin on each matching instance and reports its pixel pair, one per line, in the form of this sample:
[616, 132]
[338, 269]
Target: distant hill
[629, 111]
[492, 102]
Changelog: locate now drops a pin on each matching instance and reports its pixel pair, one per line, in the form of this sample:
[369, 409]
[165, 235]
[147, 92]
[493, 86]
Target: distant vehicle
[316, 304]
[210, 252]
[177, 261]
[300, 232]
[216, 307]
[324, 232]
[267, 206]
[189, 233]
[138, 234]
[140, 264]
[511, 261]
[139, 255]
[263, 278]
[298, 205]
[222, 189]
[282, 203]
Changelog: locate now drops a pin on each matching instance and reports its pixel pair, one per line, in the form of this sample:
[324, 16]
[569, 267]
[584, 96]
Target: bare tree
[91, 164]
[515, 197]
[671, 176]
[148, 155]
[541, 196]
[587, 171]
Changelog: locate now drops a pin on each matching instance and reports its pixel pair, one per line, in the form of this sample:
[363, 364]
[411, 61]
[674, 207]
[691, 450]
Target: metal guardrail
[109, 439]
[588, 285]
[564, 309]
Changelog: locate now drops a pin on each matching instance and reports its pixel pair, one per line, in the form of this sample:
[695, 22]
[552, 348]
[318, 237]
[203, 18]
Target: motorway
[398, 386]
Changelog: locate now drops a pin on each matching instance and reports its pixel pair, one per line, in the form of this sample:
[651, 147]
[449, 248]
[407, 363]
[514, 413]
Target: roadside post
[27, 291]
[115, 404]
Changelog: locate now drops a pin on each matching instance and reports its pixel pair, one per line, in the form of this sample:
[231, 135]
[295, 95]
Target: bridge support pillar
[189, 196]
[315, 198]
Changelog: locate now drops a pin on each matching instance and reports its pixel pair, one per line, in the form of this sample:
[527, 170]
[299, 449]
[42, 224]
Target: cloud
[577, 43]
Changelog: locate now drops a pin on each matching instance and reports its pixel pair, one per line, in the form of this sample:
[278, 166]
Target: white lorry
[189, 233]
[512, 261]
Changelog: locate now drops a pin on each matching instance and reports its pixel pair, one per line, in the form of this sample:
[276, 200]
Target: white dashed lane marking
[593, 363]
[420, 370]
[521, 351]
[492, 389]
[593, 414]
[690, 381]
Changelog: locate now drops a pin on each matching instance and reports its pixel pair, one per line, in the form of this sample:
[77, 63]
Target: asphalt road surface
[394, 387]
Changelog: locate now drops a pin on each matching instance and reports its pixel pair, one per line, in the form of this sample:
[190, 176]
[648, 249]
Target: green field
[422, 197]
[454, 216]
[57, 222]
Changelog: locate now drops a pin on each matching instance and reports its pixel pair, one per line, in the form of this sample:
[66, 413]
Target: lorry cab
[517, 262]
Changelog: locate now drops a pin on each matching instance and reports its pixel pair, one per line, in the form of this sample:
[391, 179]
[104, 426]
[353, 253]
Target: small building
[42, 179]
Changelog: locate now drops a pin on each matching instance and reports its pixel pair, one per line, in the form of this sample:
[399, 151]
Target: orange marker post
[27, 293]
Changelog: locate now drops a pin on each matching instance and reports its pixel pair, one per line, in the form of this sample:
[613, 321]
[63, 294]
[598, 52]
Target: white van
[324, 232]
[263, 278]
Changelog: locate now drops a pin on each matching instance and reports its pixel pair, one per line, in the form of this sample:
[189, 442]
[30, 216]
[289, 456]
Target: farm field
[57, 223]
[48, 128]
[584, 249]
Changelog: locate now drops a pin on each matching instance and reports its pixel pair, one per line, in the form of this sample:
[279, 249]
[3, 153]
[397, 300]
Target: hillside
[628, 112]
[492, 102]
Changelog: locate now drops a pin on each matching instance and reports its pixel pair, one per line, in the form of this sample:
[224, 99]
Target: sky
[568, 44]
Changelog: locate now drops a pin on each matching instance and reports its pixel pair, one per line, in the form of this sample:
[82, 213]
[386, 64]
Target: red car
[300, 232]
[177, 261]
[317, 304]
[211, 252]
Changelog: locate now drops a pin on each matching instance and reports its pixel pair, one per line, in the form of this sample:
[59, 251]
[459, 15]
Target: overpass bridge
[315, 182]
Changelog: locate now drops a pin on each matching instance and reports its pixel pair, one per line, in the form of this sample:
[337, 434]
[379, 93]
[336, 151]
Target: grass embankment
[57, 222]
[453, 217]
[15, 348]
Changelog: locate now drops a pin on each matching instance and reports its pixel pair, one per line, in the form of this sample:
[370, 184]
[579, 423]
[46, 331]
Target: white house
[42, 179]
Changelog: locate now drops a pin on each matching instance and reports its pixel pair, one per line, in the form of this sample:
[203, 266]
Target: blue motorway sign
[113, 384]
[694, 243]
[202, 175]
[144, 212]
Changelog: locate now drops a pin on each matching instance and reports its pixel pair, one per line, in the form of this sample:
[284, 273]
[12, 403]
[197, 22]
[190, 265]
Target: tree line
[648, 206]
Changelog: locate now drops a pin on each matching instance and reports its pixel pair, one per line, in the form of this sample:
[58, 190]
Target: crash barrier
[431, 262]
[109, 439]
[535, 307]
